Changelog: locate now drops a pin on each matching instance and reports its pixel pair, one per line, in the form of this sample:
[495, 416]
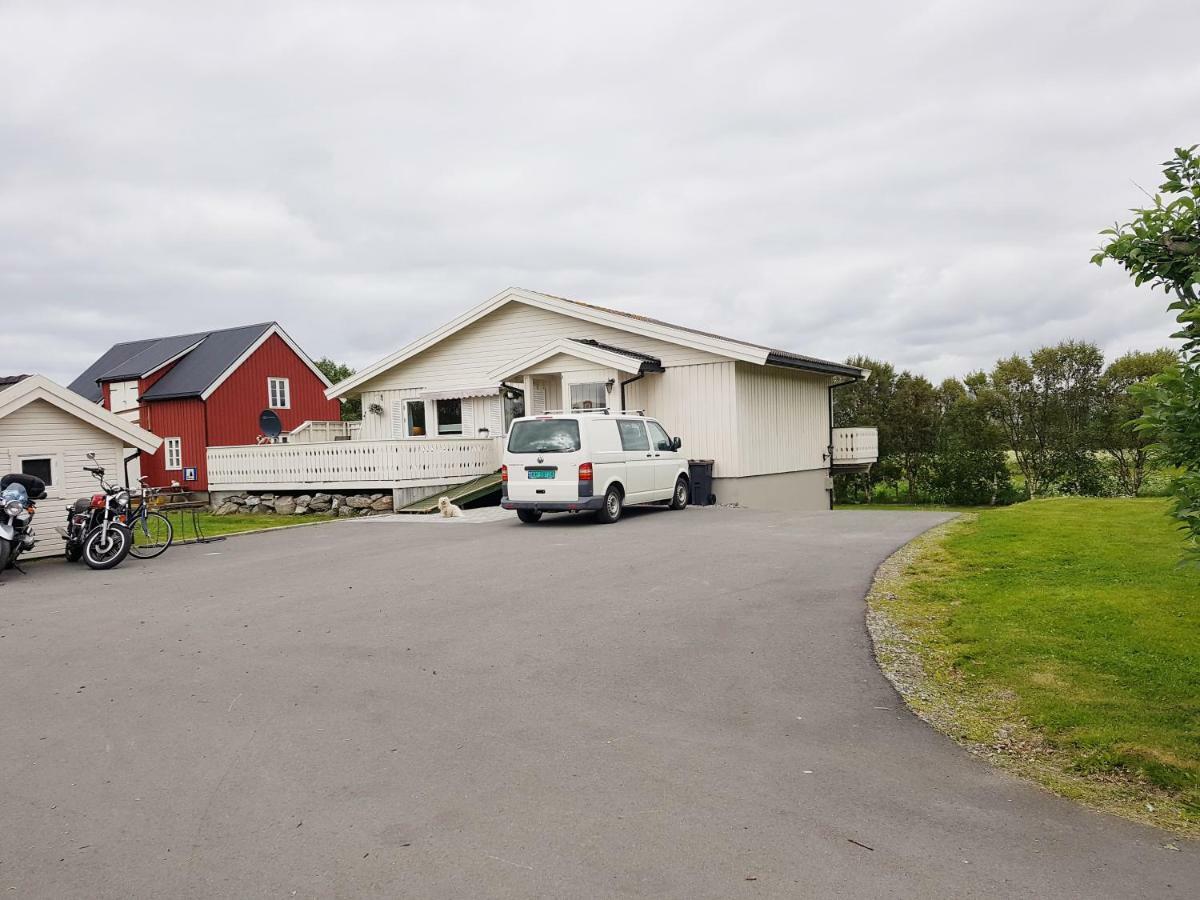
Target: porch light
[608, 385]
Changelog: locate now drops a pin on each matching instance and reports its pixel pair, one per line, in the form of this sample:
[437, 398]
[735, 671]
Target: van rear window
[544, 436]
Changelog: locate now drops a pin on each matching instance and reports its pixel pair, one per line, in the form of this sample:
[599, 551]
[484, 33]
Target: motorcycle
[96, 529]
[17, 493]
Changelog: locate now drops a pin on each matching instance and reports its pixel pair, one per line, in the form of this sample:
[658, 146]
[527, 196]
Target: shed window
[173, 452]
[450, 416]
[40, 467]
[279, 394]
[591, 395]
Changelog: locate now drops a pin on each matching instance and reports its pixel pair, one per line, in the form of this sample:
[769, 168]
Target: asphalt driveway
[681, 705]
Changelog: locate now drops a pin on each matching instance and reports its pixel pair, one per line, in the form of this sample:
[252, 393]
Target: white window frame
[599, 386]
[55, 466]
[173, 444]
[279, 388]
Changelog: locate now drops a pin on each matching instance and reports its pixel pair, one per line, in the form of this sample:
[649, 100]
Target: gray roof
[10, 380]
[214, 352]
[648, 363]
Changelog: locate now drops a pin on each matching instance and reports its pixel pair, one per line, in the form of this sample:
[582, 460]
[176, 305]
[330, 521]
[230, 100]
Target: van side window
[633, 435]
[659, 436]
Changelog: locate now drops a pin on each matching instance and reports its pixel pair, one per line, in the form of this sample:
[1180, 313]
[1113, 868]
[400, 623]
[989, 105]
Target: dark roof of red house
[10, 380]
[203, 357]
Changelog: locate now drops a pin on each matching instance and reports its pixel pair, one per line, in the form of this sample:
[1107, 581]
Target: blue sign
[189, 474]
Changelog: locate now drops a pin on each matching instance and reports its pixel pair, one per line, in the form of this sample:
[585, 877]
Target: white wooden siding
[42, 429]
[507, 334]
[697, 404]
[783, 420]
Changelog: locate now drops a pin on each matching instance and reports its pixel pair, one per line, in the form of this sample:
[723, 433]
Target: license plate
[541, 473]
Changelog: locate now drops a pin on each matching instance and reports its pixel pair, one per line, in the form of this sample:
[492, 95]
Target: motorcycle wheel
[5, 553]
[73, 551]
[101, 554]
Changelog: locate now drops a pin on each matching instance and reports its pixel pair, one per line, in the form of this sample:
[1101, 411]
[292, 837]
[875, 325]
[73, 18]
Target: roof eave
[821, 367]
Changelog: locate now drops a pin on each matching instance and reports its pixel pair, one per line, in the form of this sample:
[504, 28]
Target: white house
[47, 430]
[762, 415]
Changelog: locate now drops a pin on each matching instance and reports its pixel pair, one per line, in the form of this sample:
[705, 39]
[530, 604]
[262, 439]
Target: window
[40, 467]
[545, 436]
[173, 452]
[449, 415]
[414, 416]
[633, 435]
[588, 396]
[658, 437]
[279, 395]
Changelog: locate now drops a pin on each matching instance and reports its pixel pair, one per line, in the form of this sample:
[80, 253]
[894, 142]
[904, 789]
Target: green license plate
[541, 473]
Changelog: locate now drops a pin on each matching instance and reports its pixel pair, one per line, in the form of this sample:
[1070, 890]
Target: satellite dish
[269, 423]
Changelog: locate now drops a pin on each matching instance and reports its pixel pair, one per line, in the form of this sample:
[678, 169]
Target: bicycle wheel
[152, 534]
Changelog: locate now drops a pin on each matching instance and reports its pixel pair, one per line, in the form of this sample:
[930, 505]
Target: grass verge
[217, 526]
[1061, 640]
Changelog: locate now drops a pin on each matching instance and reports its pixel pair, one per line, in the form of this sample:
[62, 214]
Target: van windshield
[544, 436]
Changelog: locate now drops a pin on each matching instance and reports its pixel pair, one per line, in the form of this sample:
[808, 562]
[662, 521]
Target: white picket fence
[855, 446]
[334, 465]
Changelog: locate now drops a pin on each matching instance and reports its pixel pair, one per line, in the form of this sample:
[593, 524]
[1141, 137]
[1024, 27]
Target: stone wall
[342, 505]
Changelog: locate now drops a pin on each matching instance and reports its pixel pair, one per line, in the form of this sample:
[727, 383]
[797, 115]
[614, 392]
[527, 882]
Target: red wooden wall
[234, 407]
[184, 419]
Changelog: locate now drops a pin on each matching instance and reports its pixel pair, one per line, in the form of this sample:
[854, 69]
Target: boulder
[344, 511]
[358, 501]
[226, 509]
[383, 503]
[268, 496]
[285, 506]
[318, 505]
[238, 500]
[252, 500]
[304, 500]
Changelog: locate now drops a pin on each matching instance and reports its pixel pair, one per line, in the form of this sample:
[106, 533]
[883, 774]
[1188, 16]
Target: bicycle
[152, 531]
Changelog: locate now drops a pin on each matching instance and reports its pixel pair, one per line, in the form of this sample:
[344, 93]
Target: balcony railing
[855, 446]
[410, 462]
[319, 432]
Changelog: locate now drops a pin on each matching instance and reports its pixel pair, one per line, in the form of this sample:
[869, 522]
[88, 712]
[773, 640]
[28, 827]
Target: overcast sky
[920, 182]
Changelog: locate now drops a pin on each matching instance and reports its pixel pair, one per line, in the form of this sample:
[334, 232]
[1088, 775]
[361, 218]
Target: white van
[567, 462]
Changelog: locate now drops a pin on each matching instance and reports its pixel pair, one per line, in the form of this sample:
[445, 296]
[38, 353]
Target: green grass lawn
[215, 526]
[1062, 635]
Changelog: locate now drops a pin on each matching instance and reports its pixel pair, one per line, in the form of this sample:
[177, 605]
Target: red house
[207, 389]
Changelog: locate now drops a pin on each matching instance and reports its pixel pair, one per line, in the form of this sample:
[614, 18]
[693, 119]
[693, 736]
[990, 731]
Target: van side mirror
[676, 443]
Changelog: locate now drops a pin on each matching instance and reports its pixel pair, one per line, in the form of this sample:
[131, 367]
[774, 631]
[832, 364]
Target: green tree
[1160, 246]
[335, 372]
[1121, 406]
[1044, 406]
[914, 417]
[969, 467]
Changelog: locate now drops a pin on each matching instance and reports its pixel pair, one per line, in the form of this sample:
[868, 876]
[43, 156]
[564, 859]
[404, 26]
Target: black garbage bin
[700, 472]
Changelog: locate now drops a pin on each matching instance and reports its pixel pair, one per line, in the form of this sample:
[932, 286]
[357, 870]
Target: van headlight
[14, 508]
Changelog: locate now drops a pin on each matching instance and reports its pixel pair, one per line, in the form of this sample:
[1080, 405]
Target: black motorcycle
[96, 529]
[17, 493]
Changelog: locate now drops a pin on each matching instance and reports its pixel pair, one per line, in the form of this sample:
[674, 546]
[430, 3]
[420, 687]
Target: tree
[913, 422]
[1044, 406]
[969, 467]
[868, 403]
[1160, 245]
[1121, 406]
[335, 372]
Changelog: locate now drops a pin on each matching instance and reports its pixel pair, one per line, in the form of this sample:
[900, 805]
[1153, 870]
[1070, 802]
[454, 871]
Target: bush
[971, 478]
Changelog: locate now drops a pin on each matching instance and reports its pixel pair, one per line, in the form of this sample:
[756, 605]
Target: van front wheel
[682, 494]
[611, 510]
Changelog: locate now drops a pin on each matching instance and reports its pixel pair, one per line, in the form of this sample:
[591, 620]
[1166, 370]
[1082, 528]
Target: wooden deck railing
[351, 464]
[855, 446]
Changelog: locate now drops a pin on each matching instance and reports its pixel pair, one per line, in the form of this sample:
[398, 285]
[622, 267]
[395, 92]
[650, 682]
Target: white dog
[449, 510]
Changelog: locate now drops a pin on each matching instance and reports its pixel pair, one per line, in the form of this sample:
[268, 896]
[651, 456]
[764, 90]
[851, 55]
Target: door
[666, 460]
[639, 460]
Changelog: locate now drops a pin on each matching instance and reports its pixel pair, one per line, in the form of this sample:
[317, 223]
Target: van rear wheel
[528, 516]
[611, 510]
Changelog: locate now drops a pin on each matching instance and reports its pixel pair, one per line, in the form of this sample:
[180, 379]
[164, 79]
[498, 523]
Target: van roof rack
[602, 410]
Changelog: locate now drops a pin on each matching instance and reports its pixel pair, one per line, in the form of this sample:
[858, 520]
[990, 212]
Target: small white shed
[47, 430]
